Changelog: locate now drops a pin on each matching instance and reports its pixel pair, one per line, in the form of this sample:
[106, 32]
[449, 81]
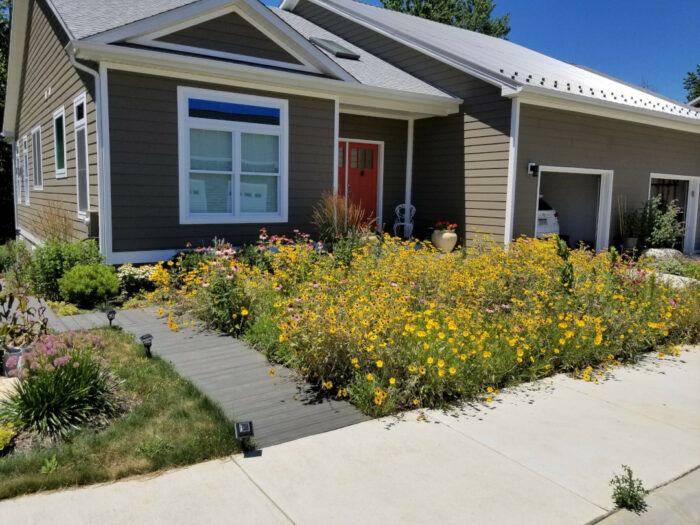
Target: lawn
[168, 423]
[397, 325]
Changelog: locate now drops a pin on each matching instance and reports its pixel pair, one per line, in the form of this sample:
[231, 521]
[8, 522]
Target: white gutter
[603, 108]
[100, 135]
[350, 93]
[695, 102]
[18, 32]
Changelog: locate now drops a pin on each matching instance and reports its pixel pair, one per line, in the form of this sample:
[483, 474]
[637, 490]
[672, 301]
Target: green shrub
[7, 432]
[134, 279]
[87, 285]
[52, 260]
[63, 386]
[628, 492]
[659, 225]
[5, 258]
[227, 304]
[13, 253]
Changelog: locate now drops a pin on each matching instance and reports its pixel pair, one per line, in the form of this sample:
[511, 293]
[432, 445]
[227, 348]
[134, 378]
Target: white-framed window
[36, 159]
[25, 169]
[233, 157]
[82, 171]
[17, 166]
[59, 142]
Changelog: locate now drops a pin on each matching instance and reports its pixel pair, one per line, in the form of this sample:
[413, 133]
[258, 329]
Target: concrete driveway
[542, 453]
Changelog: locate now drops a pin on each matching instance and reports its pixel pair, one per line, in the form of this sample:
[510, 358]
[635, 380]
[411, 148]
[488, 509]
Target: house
[159, 123]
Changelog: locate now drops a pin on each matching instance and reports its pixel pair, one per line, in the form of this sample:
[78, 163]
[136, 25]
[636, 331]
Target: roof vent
[334, 48]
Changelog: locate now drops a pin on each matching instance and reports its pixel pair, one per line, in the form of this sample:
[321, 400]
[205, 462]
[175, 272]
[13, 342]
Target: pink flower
[229, 276]
[205, 284]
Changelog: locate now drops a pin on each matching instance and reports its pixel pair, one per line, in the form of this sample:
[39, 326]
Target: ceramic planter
[444, 240]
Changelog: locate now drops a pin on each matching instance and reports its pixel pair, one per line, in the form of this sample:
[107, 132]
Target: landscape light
[244, 430]
[111, 314]
[147, 340]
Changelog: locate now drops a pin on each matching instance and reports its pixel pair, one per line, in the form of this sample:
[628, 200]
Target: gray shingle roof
[85, 18]
[503, 60]
[369, 69]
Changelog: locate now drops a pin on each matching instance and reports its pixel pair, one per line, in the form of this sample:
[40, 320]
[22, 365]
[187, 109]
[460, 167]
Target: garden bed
[392, 327]
[161, 421]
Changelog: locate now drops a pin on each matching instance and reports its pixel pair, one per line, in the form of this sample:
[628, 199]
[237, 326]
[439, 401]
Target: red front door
[359, 161]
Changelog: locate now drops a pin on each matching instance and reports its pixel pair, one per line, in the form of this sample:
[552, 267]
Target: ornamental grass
[398, 325]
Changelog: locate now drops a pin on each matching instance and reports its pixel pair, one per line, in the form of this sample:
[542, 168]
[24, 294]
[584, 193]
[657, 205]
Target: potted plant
[444, 238]
[630, 222]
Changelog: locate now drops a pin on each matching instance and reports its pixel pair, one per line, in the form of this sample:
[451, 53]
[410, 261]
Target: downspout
[70, 51]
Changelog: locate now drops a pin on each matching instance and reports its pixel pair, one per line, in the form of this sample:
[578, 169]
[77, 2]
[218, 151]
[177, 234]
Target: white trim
[200, 69]
[60, 173]
[196, 12]
[37, 160]
[345, 109]
[336, 142]
[380, 171]
[77, 126]
[25, 169]
[409, 164]
[602, 238]
[185, 122]
[17, 176]
[691, 206]
[137, 257]
[30, 237]
[603, 108]
[104, 186]
[229, 56]
[512, 171]
[18, 32]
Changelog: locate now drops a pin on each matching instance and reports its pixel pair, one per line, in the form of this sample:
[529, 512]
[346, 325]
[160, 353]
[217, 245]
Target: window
[233, 157]
[36, 159]
[81, 155]
[17, 166]
[25, 169]
[59, 142]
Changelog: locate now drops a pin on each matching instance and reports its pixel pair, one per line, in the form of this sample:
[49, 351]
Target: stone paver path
[234, 375]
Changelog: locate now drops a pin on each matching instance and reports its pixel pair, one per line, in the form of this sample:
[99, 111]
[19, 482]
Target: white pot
[444, 240]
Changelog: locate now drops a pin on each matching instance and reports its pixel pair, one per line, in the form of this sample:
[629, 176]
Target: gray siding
[230, 33]
[46, 67]
[462, 179]
[633, 151]
[144, 164]
[394, 134]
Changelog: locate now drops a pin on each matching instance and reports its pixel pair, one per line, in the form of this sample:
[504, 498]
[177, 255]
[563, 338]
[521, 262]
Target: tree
[692, 84]
[7, 229]
[476, 15]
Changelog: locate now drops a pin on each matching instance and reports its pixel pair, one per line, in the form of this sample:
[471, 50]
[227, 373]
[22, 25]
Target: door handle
[362, 173]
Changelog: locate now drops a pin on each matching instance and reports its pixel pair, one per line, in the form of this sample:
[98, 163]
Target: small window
[36, 159]
[81, 156]
[17, 166]
[232, 158]
[334, 48]
[59, 142]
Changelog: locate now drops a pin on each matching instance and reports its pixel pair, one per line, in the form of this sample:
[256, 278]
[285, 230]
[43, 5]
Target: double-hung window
[59, 142]
[25, 169]
[233, 157]
[36, 159]
[17, 166]
[81, 154]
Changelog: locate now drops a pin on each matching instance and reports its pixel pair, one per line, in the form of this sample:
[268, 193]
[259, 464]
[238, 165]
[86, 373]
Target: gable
[230, 34]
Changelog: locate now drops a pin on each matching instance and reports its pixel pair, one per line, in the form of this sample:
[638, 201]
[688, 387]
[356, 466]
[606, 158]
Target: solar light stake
[244, 431]
[111, 314]
[147, 340]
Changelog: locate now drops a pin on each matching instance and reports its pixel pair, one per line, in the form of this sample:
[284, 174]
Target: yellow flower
[661, 355]
[489, 389]
[486, 354]
[379, 363]
[370, 377]
[328, 385]
[244, 312]
[411, 368]
[441, 363]
[441, 372]
[489, 398]
[430, 360]
[271, 372]
[422, 370]
[453, 370]
[392, 380]
[415, 402]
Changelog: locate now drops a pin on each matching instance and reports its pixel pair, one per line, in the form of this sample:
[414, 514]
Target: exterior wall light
[147, 340]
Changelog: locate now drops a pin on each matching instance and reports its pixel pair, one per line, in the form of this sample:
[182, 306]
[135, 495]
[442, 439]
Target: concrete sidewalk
[538, 454]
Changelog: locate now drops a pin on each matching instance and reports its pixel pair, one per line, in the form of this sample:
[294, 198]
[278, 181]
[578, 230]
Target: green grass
[172, 424]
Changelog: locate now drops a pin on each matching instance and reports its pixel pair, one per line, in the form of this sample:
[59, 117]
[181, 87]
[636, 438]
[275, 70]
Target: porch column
[409, 163]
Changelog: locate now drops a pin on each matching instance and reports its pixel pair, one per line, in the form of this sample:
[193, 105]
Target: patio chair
[404, 220]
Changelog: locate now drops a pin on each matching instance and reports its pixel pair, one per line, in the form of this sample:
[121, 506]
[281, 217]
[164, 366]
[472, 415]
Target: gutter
[695, 102]
[100, 137]
[570, 102]
[368, 96]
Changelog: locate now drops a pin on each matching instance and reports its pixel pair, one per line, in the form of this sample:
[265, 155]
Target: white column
[409, 162]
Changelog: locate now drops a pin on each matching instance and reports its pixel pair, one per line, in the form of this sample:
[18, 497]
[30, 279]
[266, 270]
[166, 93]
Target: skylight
[335, 48]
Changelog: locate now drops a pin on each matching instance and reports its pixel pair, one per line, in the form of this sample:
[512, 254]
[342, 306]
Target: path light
[111, 314]
[147, 340]
[244, 431]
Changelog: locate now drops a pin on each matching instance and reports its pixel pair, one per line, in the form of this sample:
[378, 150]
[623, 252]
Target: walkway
[540, 454]
[283, 408]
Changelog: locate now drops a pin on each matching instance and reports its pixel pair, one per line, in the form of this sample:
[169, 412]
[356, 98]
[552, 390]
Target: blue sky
[651, 41]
